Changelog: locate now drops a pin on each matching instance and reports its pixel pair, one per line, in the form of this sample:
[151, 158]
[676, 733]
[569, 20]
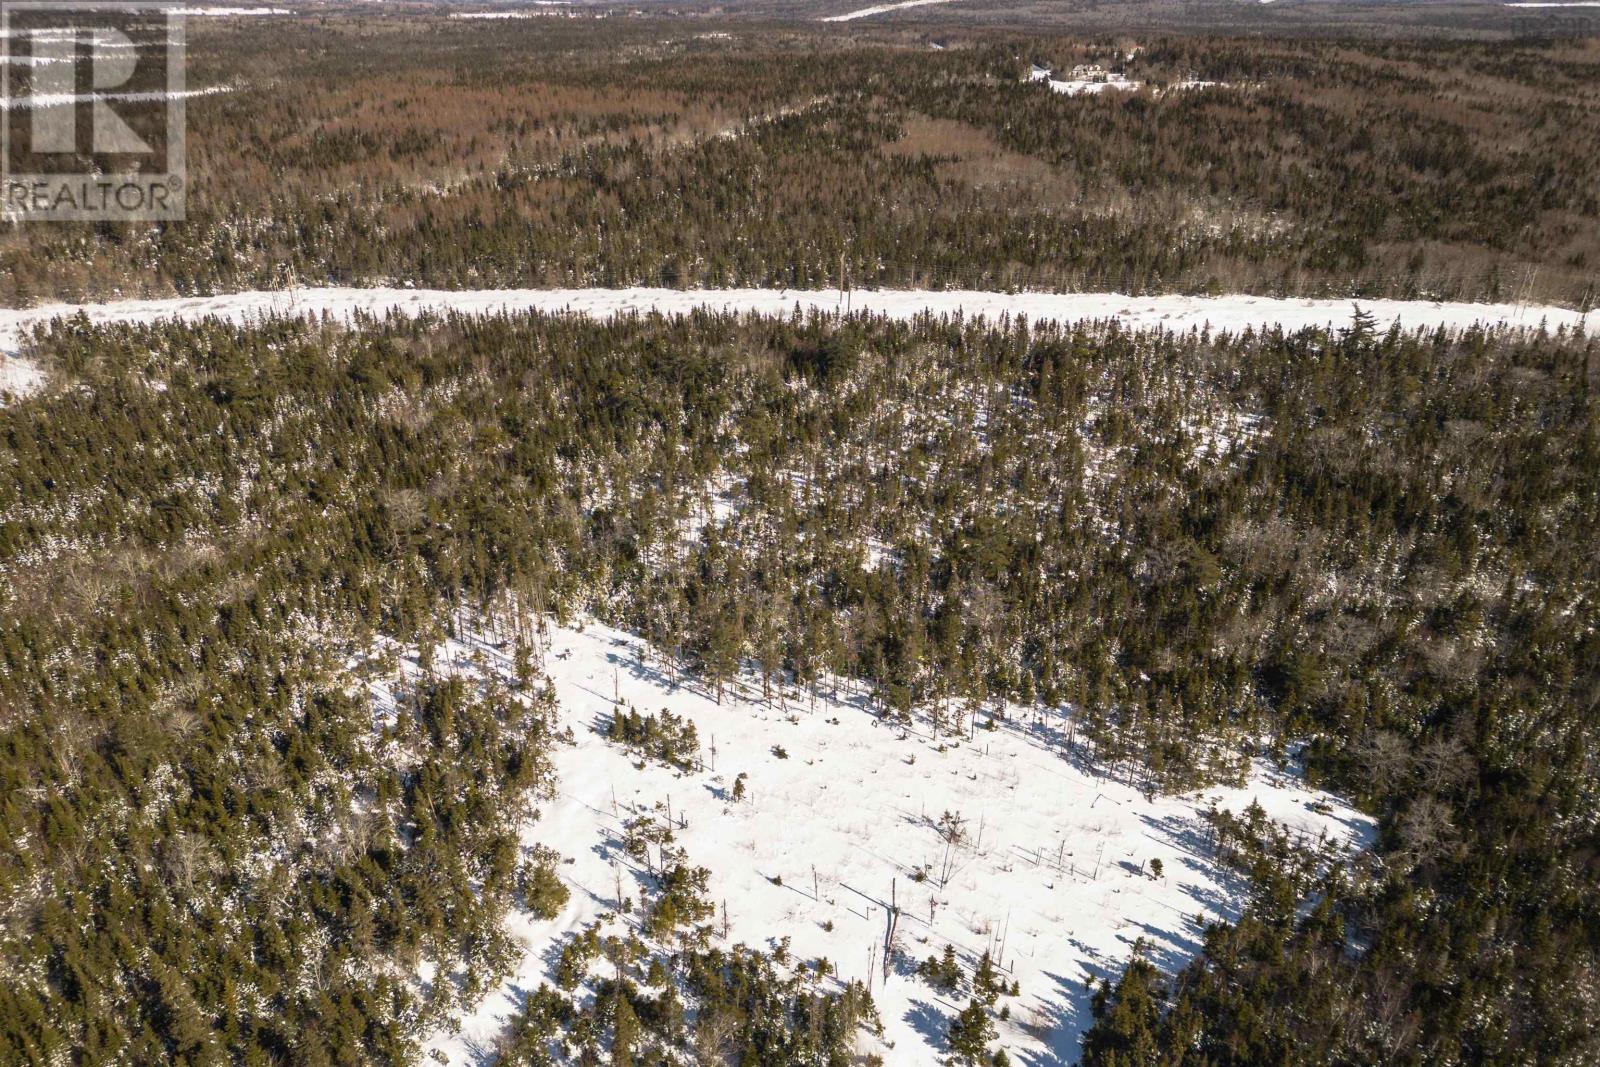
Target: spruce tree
[970, 1033]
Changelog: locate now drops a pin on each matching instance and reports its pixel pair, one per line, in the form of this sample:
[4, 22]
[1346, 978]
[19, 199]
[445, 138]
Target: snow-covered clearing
[220, 12]
[100, 41]
[18, 377]
[34, 61]
[1084, 81]
[23, 103]
[1054, 876]
[880, 9]
[501, 16]
[1090, 80]
[1235, 312]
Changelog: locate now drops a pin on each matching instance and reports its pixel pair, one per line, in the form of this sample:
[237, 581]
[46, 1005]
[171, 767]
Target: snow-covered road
[880, 9]
[1231, 312]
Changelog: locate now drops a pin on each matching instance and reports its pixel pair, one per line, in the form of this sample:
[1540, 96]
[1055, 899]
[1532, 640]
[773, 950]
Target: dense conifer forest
[553, 152]
[1376, 543]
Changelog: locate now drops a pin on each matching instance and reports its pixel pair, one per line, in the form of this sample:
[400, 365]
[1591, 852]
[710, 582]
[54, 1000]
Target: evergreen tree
[970, 1033]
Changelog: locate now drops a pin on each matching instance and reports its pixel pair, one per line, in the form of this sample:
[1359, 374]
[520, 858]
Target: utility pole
[1005, 932]
[894, 921]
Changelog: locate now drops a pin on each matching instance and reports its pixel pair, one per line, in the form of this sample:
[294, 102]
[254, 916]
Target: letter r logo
[113, 59]
[92, 106]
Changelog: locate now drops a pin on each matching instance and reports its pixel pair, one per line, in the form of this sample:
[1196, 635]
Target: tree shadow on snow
[1169, 949]
[929, 1022]
[1067, 1014]
[641, 671]
[1186, 834]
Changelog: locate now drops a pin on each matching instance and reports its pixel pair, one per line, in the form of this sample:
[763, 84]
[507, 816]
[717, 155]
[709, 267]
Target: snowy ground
[880, 9]
[549, 10]
[18, 377]
[1084, 84]
[1050, 880]
[43, 100]
[228, 12]
[1233, 312]
[1091, 81]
